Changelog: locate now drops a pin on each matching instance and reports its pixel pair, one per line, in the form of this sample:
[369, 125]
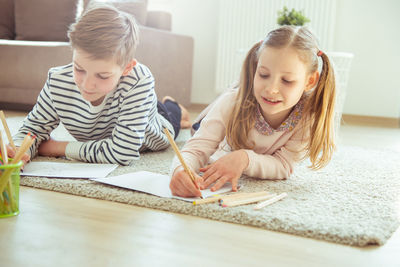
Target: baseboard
[197, 107]
[346, 118]
[371, 121]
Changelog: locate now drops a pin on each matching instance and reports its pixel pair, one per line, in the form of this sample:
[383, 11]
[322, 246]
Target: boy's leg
[185, 118]
[172, 112]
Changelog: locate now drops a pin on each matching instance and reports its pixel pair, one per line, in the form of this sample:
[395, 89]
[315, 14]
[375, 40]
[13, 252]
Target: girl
[281, 113]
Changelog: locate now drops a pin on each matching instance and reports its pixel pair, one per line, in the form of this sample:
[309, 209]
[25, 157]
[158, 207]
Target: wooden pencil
[237, 196]
[207, 200]
[8, 192]
[179, 155]
[17, 158]
[244, 201]
[3, 148]
[269, 201]
[7, 130]
[230, 197]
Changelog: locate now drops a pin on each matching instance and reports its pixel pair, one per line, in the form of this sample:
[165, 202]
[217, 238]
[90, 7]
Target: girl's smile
[270, 101]
[280, 80]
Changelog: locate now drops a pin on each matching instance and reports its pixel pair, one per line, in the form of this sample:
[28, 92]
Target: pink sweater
[273, 156]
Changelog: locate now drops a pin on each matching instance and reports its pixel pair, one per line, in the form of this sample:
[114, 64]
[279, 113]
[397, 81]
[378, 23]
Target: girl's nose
[272, 88]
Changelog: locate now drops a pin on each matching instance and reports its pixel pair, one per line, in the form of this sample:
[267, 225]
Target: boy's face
[96, 78]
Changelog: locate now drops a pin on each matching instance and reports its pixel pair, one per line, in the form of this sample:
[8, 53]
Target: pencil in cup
[9, 204]
[26, 144]
[7, 130]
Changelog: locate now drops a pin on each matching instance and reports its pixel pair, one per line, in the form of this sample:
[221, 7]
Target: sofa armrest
[159, 19]
[170, 58]
[24, 67]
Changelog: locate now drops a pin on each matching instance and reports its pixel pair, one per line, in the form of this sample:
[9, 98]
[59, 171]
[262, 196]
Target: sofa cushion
[44, 20]
[7, 19]
[138, 8]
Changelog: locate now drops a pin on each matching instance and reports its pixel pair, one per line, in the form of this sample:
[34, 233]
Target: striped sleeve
[122, 147]
[41, 121]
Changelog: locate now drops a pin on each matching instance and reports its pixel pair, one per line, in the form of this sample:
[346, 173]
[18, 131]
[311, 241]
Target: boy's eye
[78, 70]
[103, 78]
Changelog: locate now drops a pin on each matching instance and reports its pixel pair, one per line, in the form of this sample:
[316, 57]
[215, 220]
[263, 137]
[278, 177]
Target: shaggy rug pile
[355, 200]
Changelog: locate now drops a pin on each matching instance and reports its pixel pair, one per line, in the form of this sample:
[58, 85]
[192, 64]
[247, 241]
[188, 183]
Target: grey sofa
[28, 51]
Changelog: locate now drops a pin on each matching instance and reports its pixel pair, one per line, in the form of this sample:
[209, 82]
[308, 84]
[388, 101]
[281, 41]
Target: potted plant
[292, 17]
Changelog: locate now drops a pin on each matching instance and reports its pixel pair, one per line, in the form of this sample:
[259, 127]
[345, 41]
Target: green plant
[293, 17]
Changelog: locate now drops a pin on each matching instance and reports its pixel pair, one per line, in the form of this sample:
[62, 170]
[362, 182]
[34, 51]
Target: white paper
[153, 183]
[68, 170]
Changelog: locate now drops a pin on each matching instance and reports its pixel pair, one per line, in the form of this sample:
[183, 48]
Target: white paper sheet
[153, 183]
[68, 170]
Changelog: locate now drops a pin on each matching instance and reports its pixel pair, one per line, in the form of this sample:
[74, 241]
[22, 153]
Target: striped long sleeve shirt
[115, 131]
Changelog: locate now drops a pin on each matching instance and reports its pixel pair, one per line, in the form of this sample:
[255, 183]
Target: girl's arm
[198, 150]
[205, 141]
[281, 163]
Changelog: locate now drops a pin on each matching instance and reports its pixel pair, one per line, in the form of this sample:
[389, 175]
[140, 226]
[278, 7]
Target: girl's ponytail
[242, 120]
[321, 107]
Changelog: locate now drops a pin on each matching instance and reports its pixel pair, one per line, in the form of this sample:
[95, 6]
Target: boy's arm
[41, 121]
[138, 109]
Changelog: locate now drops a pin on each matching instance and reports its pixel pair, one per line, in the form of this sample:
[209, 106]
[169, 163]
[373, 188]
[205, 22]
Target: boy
[104, 98]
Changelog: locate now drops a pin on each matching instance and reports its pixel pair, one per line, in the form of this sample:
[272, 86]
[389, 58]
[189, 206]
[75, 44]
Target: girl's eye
[286, 81]
[263, 75]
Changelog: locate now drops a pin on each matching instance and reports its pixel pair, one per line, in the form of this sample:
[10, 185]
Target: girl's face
[280, 80]
[96, 78]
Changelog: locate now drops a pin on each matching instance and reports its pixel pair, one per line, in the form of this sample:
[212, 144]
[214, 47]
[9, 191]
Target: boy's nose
[88, 84]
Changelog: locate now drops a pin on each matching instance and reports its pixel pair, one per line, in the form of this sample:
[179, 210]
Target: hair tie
[319, 53]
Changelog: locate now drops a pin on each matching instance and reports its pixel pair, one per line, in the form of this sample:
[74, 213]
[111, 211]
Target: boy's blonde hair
[320, 102]
[105, 33]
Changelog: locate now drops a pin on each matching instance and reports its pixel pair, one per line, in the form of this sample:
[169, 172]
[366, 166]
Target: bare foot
[185, 119]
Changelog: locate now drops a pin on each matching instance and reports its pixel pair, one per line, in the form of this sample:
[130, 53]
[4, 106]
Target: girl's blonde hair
[319, 105]
[105, 33]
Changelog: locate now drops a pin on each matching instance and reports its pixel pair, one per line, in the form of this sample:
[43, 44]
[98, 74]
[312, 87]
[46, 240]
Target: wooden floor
[55, 229]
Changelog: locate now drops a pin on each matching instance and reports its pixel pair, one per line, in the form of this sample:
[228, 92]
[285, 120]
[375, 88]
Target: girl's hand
[228, 168]
[181, 184]
[52, 148]
[11, 153]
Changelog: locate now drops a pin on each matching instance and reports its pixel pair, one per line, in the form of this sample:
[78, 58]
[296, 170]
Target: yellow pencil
[178, 154]
[8, 133]
[211, 199]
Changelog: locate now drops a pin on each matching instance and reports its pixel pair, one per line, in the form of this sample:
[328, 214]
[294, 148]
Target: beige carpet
[355, 200]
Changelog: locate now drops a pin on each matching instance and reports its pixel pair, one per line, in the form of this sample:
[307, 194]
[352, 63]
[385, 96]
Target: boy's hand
[228, 168]
[52, 148]
[11, 153]
[181, 184]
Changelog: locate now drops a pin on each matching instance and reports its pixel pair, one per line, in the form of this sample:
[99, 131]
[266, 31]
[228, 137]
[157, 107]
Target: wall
[369, 29]
[198, 19]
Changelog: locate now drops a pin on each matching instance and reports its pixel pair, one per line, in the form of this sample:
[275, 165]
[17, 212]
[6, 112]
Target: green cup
[9, 198]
